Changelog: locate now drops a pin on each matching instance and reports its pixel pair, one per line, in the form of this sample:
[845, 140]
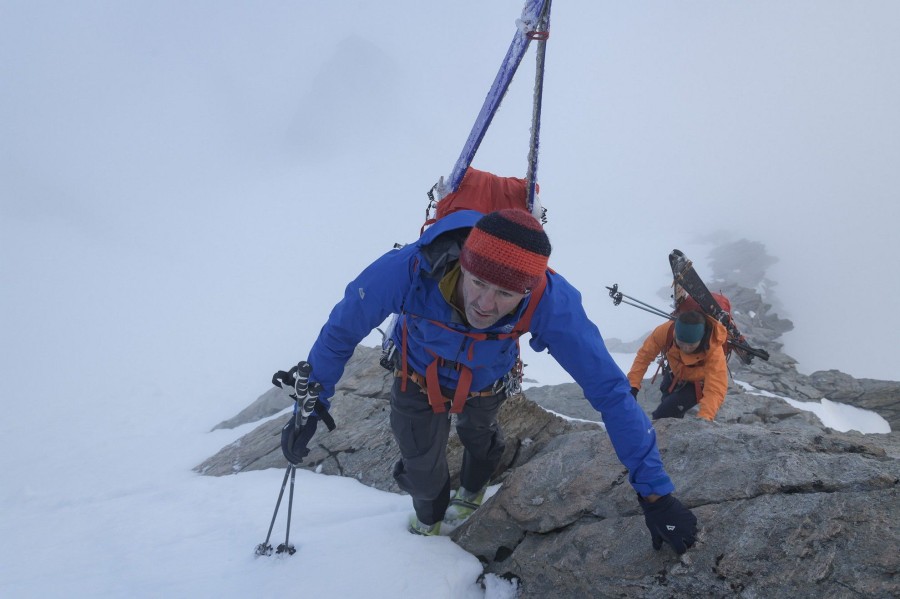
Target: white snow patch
[838, 416]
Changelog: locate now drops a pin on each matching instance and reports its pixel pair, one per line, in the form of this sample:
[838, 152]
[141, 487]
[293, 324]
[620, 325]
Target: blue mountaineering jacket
[405, 281]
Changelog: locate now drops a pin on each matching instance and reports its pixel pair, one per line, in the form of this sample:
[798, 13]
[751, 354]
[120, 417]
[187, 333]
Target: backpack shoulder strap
[670, 338]
[525, 322]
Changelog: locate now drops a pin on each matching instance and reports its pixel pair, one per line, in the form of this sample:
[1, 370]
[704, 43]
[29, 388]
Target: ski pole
[303, 407]
[298, 390]
[264, 548]
[650, 310]
[286, 547]
[617, 297]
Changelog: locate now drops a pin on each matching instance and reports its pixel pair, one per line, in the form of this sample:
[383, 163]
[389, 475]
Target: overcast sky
[207, 176]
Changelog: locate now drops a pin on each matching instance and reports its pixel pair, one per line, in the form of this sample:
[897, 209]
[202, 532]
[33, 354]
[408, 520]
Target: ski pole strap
[324, 415]
[321, 411]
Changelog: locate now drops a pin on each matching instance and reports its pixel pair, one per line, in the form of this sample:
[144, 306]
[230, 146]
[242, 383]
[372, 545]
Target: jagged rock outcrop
[363, 377]
[787, 507]
[362, 446]
[882, 397]
[794, 512]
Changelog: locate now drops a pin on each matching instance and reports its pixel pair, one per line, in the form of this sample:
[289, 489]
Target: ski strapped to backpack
[532, 25]
[663, 361]
[467, 188]
[689, 303]
[697, 293]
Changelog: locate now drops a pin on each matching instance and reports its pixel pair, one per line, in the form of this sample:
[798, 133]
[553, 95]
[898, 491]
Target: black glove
[294, 441]
[671, 522]
[634, 392]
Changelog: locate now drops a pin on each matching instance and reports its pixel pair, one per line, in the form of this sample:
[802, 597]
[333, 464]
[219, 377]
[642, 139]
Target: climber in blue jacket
[464, 293]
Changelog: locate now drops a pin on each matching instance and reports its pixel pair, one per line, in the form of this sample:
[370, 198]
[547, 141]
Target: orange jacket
[707, 366]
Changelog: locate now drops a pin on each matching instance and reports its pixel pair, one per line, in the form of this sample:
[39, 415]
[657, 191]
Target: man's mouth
[481, 314]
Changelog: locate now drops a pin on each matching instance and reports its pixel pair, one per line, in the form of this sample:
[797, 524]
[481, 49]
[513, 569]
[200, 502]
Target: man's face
[485, 303]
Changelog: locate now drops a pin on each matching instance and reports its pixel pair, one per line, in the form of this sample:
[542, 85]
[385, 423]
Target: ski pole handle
[301, 379]
[308, 403]
[617, 297]
[615, 294]
[295, 381]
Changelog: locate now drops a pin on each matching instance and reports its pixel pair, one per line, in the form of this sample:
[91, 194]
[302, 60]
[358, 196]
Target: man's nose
[486, 301]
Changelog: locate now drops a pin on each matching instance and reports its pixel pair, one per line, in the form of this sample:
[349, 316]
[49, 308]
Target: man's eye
[478, 283]
[505, 294]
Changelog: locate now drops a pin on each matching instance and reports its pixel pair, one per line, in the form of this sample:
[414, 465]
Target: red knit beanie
[507, 248]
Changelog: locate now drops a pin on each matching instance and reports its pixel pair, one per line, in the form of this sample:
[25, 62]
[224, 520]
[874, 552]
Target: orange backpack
[481, 191]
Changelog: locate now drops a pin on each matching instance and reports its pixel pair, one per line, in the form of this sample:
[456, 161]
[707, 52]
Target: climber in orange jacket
[694, 369]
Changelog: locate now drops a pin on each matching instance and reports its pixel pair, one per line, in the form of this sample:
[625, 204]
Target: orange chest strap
[436, 399]
[433, 389]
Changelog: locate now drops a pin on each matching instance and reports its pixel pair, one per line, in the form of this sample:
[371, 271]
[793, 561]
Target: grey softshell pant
[422, 435]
